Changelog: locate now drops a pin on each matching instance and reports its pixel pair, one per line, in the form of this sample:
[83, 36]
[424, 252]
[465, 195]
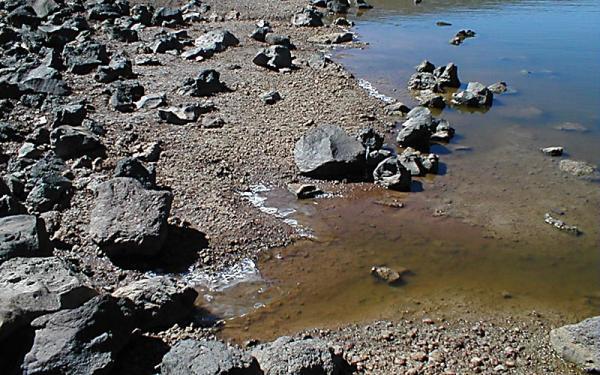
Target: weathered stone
[305, 191]
[207, 358]
[338, 6]
[44, 80]
[216, 41]
[370, 139]
[333, 38]
[207, 83]
[71, 114]
[10, 206]
[142, 14]
[270, 97]
[83, 58]
[279, 40]
[119, 67]
[132, 167]
[70, 141]
[152, 101]
[308, 17]
[476, 95]
[212, 122]
[128, 220]
[387, 274]
[416, 131]
[577, 168]
[104, 10]
[159, 301]
[561, 225]
[166, 42]
[185, 113]
[553, 151]
[498, 87]
[49, 192]
[274, 57]
[392, 175]
[167, 17]
[418, 164]
[125, 94]
[84, 340]
[23, 236]
[579, 343]
[328, 152]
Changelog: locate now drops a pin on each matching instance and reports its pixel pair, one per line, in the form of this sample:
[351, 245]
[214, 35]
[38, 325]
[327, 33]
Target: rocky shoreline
[128, 135]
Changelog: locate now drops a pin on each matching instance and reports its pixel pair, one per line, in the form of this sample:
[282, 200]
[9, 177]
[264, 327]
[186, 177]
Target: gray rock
[338, 6]
[387, 274]
[260, 33]
[132, 167]
[498, 87]
[441, 131]
[280, 40]
[579, 343]
[561, 225]
[392, 175]
[216, 41]
[370, 139]
[44, 80]
[166, 42]
[149, 152]
[167, 16]
[31, 287]
[70, 114]
[10, 206]
[120, 67]
[70, 142]
[425, 67]
[274, 57]
[23, 236]
[50, 191]
[429, 99]
[270, 97]
[212, 122]
[553, 151]
[186, 113]
[397, 109]
[128, 220]
[333, 38]
[43, 8]
[416, 131]
[207, 83]
[141, 13]
[159, 301]
[83, 58]
[435, 80]
[85, 340]
[328, 152]
[207, 358]
[476, 95]
[318, 61]
[418, 164]
[577, 168]
[305, 191]
[308, 17]
[125, 94]
[152, 101]
[286, 356]
[103, 10]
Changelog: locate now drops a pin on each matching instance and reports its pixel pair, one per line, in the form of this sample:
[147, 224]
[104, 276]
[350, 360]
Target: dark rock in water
[23, 236]
[152, 101]
[270, 97]
[167, 17]
[23, 15]
[85, 340]
[166, 42]
[10, 206]
[429, 99]
[83, 58]
[207, 358]
[328, 152]
[338, 6]
[416, 131]
[362, 4]
[476, 95]
[287, 355]
[418, 164]
[159, 301]
[30, 287]
[434, 79]
[387, 274]
[461, 36]
[70, 141]
[443, 23]
[132, 167]
[305, 191]
[561, 225]
[128, 220]
[425, 67]
[185, 113]
[579, 343]
[571, 127]
[498, 87]
[370, 139]
[553, 151]
[392, 175]
[70, 114]
[447, 76]
[207, 83]
[308, 17]
[125, 94]
[441, 131]
[119, 67]
[577, 168]
[274, 57]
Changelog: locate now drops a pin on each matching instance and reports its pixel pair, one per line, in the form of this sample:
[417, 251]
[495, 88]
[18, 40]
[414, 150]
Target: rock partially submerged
[561, 225]
[387, 274]
[579, 343]
[305, 191]
[553, 151]
[392, 175]
[328, 152]
[577, 168]
[476, 95]
[461, 35]
[435, 79]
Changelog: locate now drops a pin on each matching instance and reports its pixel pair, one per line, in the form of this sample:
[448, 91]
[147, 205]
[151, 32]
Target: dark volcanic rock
[23, 236]
[370, 139]
[328, 152]
[166, 42]
[30, 287]
[44, 80]
[49, 192]
[132, 167]
[159, 301]
[418, 164]
[83, 58]
[70, 141]
[416, 131]
[435, 80]
[289, 356]
[270, 97]
[167, 16]
[10, 206]
[476, 95]
[23, 15]
[392, 175]
[125, 94]
[108, 10]
[84, 340]
[119, 67]
[142, 14]
[207, 83]
[216, 41]
[70, 114]
[308, 17]
[207, 358]
[579, 343]
[274, 57]
[129, 220]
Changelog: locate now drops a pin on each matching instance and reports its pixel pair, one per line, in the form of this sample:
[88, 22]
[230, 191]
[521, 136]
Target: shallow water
[473, 236]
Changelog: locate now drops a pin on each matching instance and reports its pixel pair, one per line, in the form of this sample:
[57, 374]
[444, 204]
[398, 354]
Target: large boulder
[287, 356]
[23, 236]
[159, 301]
[216, 41]
[129, 220]
[207, 358]
[85, 340]
[30, 287]
[579, 343]
[83, 58]
[329, 152]
[72, 141]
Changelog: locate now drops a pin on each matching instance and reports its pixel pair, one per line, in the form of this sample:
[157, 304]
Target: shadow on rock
[141, 355]
[13, 349]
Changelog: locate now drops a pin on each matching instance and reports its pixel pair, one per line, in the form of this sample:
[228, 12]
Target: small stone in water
[553, 151]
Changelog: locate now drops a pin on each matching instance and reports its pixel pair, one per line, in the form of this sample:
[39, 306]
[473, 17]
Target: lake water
[474, 236]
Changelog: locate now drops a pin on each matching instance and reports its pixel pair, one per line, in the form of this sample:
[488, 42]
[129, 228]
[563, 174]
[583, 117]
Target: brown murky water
[473, 236]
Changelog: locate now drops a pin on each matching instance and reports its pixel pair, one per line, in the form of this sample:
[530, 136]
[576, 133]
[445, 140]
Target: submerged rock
[579, 343]
[476, 95]
[559, 224]
[498, 87]
[387, 274]
[577, 168]
[328, 152]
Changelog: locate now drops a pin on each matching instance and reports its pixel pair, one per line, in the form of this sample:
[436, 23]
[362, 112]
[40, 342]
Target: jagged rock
[166, 42]
[425, 67]
[260, 33]
[274, 57]
[392, 175]
[141, 13]
[149, 152]
[48, 192]
[204, 357]
[207, 83]
[23, 15]
[70, 141]
[132, 167]
[70, 114]
[43, 8]
[498, 88]
[387, 274]
[23, 236]
[418, 164]
[147, 61]
[579, 343]
[308, 17]
[441, 131]
[29, 151]
[44, 80]
[342, 22]
[416, 131]
[328, 152]
[429, 99]
[291, 356]
[212, 122]
[105, 10]
[461, 36]
[333, 38]
[159, 301]
[152, 101]
[128, 220]
[561, 225]
[83, 58]
[370, 139]
[397, 109]
[123, 34]
[125, 94]
[270, 97]
[436, 80]
[30, 287]
[476, 95]
[119, 67]
[185, 113]
[553, 151]
[305, 191]
[338, 6]
[216, 41]
[10, 206]
[57, 36]
[84, 340]
[167, 17]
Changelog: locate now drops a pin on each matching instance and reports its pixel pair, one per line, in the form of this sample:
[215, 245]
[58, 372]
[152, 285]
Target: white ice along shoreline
[244, 271]
[372, 91]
